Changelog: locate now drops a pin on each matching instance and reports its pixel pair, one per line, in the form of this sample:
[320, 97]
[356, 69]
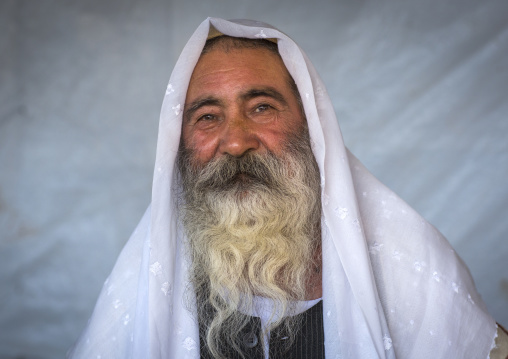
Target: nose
[238, 138]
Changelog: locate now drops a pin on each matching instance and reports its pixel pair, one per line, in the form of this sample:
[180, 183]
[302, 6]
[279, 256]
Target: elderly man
[266, 238]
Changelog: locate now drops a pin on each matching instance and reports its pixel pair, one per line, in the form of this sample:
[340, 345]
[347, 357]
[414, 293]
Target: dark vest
[308, 344]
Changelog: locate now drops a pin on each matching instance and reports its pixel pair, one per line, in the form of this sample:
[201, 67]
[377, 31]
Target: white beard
[253, 229]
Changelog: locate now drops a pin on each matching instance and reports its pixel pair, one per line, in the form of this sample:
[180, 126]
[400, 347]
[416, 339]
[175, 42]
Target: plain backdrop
[420, 89]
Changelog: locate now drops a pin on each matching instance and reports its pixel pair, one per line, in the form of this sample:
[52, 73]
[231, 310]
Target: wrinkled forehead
[267, 47]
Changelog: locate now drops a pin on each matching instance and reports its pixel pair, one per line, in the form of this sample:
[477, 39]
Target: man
[251, 192]
[266, 238]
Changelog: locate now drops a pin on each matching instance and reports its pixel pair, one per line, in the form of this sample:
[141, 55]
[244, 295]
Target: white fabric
[392, 285]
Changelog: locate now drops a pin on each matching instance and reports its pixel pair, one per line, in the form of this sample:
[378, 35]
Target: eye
[262, 108]
[207, 117]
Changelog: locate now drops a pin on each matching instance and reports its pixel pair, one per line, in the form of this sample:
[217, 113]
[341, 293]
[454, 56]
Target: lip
[244, 181]
[242, 177]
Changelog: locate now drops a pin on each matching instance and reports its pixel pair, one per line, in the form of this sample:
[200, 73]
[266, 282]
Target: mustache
[251, 170]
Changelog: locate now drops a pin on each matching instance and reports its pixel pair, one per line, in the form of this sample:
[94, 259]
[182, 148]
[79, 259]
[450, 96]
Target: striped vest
[308, 344]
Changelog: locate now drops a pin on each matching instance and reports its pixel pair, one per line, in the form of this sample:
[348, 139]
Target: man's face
[239, 102]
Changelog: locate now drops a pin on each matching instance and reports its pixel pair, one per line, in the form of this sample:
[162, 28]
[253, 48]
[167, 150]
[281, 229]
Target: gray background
[420, 89]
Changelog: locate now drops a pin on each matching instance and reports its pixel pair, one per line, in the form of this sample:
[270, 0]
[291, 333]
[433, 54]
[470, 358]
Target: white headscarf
[392, 285]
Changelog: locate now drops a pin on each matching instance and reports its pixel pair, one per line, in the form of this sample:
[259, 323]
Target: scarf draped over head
[392, 285]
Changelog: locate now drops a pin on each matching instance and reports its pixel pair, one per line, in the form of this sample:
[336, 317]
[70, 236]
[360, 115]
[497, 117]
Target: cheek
[203, 145]
[273, 139]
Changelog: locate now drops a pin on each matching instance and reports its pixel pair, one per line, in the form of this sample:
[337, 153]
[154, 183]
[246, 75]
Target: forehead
[219, 70]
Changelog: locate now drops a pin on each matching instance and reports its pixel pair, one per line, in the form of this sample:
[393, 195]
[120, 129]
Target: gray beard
[253, 228]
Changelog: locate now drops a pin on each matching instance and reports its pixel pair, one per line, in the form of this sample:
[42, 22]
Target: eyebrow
[248, 95]
[197, 104]
[266, 92]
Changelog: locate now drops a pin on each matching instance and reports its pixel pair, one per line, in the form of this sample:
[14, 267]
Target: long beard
[253, 230]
